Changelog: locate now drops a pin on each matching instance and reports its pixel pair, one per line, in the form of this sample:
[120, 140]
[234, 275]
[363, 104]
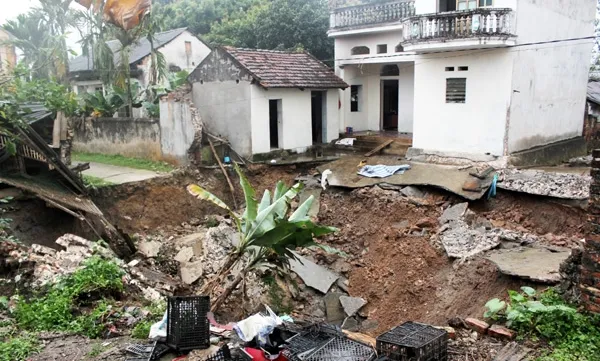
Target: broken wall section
[590, 269]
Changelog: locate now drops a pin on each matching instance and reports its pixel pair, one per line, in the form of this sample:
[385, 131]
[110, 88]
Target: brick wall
[590, 264]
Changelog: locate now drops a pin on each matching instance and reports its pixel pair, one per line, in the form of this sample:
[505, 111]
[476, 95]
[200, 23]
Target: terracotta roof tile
[281, 69]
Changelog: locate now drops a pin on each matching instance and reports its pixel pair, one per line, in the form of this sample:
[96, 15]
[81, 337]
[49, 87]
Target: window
[456, 90]
[381, 48]
[390, 70]
[399, 48]
[188, 52]
[355, 98]
[360, 50]
[463, 68]
[467, 4]
[449, 68]
[485, 3]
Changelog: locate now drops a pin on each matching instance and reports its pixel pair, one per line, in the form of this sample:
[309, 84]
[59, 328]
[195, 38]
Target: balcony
[370, 15]
[456, 30]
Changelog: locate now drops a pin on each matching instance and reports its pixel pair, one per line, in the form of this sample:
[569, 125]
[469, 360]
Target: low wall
[139, 138]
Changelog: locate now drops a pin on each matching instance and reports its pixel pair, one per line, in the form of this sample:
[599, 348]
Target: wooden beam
[379, 148]
[231, 188]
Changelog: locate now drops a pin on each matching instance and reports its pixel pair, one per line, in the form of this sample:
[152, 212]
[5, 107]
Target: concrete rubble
[536, 264]
[352, 305]
[558, 185]
[312, 274]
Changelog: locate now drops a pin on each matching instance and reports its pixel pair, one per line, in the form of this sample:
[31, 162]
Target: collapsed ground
[392, 261]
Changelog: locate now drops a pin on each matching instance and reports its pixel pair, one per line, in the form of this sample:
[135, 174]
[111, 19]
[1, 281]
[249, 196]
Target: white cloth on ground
[382, 171]
[346, 141]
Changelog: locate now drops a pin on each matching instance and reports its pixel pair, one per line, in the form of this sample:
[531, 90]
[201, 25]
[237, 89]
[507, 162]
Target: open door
[275, 122]
[318, 113]
[390, 104]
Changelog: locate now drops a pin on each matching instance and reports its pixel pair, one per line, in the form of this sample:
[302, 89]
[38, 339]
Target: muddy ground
[392, 261]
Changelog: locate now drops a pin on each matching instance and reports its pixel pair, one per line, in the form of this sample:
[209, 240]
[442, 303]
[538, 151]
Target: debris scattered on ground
[558, 185]
[312, 274]
[352, 305]
[581, 161]
[536, 264]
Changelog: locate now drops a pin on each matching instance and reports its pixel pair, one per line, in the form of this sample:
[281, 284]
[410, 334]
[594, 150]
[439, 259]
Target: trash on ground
[346, 141]
[382, 171]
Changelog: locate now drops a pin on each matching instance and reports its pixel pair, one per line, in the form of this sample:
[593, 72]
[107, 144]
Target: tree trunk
[227, 292]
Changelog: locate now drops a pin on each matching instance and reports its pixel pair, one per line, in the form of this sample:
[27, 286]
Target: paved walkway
[118, 175]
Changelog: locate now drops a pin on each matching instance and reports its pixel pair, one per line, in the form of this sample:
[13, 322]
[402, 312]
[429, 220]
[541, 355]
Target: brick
[450, 330]
[592, 307]
[477, 325]
[501, 332]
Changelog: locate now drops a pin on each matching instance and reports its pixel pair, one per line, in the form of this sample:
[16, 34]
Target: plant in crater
[269, 232]
[19, 348]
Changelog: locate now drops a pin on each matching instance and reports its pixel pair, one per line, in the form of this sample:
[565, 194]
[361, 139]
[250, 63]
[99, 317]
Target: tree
[279, 24]
[268, 234]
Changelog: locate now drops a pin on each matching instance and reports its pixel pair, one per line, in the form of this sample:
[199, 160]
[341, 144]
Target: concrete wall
[431, 6]
[477, 126]
[129, 137]
[406, 101]
[224, 107]
[176, 129]
[550, 80]
[344, 44]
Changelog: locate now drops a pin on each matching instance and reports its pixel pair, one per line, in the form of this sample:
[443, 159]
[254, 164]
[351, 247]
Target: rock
[412, 192]
[559, 185]
[369, 325]
[351, 305]
[350, 324]
[501, 332]
[333, 308]
[190, 240]
[426, 223]
[185, 255]
[462, 241]
[312, 274]
[149, 249]
[316, 204]
[477, 325]
[454, 213]
[38, 248]
[198, 248]
[191, 271]
[537, 264]
[343, 284]
[341, 266]
[449, 330]
[457, 322]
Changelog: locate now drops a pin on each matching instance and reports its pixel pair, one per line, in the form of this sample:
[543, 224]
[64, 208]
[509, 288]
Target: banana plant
[269, 232]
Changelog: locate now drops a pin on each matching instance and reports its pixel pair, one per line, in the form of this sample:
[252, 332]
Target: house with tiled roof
[267, 100]
[181, 49]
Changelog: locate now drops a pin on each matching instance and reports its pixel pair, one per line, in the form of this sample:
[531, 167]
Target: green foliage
[3, 303]
[142, 328]
[277, 299]
[95, 182]
[96, 350]
[56, 310]
[19, 348]
[211, 222]
[119, 160]
[574, 336]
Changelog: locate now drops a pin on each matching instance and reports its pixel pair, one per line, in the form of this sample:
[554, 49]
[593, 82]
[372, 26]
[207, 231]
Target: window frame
[450, 96]
[356, 105]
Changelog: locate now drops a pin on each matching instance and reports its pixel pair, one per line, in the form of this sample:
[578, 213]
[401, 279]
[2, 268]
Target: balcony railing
[459, 25]
[371, 14]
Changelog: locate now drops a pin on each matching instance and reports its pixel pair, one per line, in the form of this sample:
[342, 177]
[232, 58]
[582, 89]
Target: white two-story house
[466, 76]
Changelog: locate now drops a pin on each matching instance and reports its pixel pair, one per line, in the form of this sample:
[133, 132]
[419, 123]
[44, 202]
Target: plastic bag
[159, 329]
[260, 325]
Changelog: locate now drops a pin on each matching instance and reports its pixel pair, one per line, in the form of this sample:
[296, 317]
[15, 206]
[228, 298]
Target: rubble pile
[558, 185]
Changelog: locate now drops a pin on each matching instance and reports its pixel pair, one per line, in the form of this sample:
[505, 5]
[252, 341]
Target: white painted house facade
[465, 76]
[265, 100]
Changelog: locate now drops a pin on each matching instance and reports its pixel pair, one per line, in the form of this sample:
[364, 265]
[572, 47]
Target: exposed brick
[477, 325]
[501, 332]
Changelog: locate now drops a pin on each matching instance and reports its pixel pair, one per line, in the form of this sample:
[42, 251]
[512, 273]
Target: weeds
[96, 350]
[142, 328]
[122, 161]
[574, 336]
[55, 311]
[211, 222]
[19, 348]
[277, 296]
[95, 182]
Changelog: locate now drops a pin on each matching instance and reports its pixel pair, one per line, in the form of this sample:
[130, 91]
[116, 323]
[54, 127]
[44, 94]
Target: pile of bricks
[590, 264]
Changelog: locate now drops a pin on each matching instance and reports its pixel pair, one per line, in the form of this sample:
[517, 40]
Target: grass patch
[122, 161]
[156, 312]
[96, 350]
[572, 335]
[19, 348]
[95, 182]
[71, 304]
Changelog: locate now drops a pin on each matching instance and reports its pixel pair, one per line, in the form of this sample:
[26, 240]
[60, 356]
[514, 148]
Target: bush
[18, 348]
[574, 336]
[56, 310]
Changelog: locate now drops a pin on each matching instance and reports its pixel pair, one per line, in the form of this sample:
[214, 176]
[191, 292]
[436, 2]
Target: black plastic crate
[414, 342]
[343, 349]
[308, 339]
[187, 326]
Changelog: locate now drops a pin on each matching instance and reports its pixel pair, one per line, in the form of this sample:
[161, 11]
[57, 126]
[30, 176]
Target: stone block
[191, 272]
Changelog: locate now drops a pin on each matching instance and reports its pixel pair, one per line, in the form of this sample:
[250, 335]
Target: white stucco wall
[431, 6]
[225, 111]
[406, 98]
[333, 114]
[550, 80]
[176, 129]
[174, 51]
[478, 126]
[344, 44]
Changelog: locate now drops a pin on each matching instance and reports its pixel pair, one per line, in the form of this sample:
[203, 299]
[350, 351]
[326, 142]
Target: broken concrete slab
[312, 274]
[352, 305]
[537, 182]
[316, 204]
[149, 249]
[462, 241]
[454, 213]
[450, 178]
[333, 308]
[350, 324]
[190, 240]
[536, 264]
[185, 255]
[191, 272]
[412, 192]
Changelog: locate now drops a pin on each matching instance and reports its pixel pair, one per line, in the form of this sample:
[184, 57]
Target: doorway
[390, 104]
[318, 114]
[447, 5]
[275, 123]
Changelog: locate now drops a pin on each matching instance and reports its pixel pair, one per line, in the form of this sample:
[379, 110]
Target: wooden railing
[363, 15]
[459, 24]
